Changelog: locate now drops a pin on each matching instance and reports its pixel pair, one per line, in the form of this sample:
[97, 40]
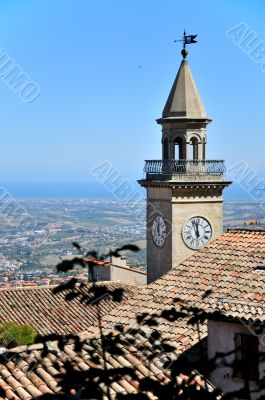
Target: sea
[91, 190]
[57, 190]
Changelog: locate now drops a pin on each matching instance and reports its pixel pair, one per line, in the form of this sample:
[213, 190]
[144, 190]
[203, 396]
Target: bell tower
[184, 189]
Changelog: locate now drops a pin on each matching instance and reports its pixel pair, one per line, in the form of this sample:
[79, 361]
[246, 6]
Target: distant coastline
[57, 190]
[90, 190]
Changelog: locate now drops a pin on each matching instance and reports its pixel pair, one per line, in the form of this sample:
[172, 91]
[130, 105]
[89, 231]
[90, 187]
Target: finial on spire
[187, 39]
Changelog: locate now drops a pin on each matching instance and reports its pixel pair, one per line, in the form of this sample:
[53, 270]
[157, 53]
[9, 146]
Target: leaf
[130, 247]
[117, 294]
[198, 318]
[141, 317]
[167, 348]
[76, 245]
[126, 247]
[67, 265]
[172, 315]
[65, 286]
[71, 296]
[206, 294]
[155, 335]
[178, 300]
[119, 328]
[92, 254]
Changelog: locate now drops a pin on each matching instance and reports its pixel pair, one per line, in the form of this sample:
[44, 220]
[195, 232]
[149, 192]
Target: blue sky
[105, 69]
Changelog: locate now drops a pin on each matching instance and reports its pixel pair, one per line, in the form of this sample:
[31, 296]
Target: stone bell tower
[184, 189]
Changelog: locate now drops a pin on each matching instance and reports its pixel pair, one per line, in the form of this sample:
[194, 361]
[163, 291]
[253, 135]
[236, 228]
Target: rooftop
[26, 372]
[51, 313]
[184, 100]
[220, 278]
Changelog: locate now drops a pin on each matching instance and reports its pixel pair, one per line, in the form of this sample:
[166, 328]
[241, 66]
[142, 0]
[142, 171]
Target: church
[194, 331]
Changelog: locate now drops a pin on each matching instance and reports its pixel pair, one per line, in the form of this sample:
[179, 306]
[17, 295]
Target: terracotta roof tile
[226, 267]
[26, 383]
[50, 313]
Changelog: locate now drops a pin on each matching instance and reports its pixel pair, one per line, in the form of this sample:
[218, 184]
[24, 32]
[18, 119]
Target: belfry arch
[194, 143]
[179, 149]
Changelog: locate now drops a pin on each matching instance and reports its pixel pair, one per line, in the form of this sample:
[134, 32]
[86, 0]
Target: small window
[247, 357]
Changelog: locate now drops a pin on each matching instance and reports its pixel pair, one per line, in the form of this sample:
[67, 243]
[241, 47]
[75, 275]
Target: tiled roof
[26, 373]
[97, 262]
[225, 270]
[51, 313]
[226, 267]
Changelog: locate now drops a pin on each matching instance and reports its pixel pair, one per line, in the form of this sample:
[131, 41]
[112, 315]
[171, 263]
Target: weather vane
[187, 39]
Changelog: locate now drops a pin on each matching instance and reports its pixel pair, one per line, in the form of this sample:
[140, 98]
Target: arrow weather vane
[187, 39]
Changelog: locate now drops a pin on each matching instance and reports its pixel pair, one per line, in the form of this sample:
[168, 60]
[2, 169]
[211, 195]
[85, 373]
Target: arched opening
[165, 149]
[178, 149]
[194, 145]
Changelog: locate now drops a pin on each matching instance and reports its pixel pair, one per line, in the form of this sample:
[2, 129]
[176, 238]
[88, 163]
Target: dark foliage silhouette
[97, 380]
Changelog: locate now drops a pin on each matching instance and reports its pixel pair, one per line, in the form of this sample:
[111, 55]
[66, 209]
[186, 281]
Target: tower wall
[177, 206]
[205, 206]
[159, 259]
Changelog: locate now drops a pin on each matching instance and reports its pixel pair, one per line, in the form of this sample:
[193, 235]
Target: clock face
[197, 232]
[159, 231]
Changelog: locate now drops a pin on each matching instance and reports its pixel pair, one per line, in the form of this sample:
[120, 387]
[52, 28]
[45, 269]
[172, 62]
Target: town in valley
[29, 256]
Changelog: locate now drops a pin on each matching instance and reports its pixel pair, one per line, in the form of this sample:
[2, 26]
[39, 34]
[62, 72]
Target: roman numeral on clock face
[197, 232]
[158, 231]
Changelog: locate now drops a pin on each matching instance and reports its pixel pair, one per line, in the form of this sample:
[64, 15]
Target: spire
[184, 100]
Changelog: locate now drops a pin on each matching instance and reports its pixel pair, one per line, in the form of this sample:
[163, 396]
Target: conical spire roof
[184, 100]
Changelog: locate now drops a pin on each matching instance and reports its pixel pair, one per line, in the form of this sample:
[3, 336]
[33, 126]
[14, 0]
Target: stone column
[171, 149]
[187, 151]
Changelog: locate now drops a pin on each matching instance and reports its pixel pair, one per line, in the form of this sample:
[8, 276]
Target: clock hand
[158, 227]
[197, 229]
